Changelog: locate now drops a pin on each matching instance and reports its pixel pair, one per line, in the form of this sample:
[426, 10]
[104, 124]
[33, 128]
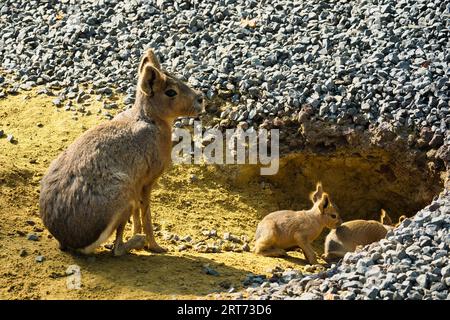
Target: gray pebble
[33, 237]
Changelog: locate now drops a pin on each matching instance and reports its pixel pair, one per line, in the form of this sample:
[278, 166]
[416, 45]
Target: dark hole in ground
[361, 182]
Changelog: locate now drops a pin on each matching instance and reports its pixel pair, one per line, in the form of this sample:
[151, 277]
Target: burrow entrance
[361, 180]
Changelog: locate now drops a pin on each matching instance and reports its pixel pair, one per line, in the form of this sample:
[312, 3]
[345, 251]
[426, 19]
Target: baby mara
[107, 174]
[355, 233]
[284, 230]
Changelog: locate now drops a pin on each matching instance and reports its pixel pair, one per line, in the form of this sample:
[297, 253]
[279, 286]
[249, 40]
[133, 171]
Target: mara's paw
[156, 248]
[119, 251]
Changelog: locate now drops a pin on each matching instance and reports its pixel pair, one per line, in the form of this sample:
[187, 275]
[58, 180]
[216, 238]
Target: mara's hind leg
[102, 238]
[147, 222]
[265, 245]
[137, 242]
[137, 222]
[271, 252]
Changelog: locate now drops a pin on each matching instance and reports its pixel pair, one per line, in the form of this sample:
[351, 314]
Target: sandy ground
[213, 201]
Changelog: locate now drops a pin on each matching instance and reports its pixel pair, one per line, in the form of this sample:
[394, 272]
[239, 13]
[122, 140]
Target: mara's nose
[200, 99]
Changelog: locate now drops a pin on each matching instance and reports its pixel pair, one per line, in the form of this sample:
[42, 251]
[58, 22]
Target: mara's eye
[333, 216]
[171, 93]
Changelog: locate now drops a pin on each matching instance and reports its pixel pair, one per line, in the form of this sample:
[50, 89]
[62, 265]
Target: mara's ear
[400, 220]
[150, 58]
[384, 218]
[316, 195]
[149, 79]
[324, 202]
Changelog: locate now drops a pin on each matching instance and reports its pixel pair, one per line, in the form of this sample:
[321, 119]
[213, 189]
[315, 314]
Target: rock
[186, 239]
[348, 295]
[40, 259]
[33, 237]
[57, 102]
[445, 271]
[210, 271]
[423, 281]
[310, 296]
[371, 293]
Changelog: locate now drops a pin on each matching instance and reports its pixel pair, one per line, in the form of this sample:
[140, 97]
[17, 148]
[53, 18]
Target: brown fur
[355, 233]
[283, 230]
[400, 220]
[92, 188]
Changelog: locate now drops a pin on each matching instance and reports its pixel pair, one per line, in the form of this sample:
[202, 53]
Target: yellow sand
[180, 206]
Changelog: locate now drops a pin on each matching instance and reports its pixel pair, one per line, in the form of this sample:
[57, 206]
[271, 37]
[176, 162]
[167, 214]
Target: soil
[361, 175]
[179, 205]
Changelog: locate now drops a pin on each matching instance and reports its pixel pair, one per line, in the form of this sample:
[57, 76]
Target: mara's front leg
[307, 249]
[147, 222]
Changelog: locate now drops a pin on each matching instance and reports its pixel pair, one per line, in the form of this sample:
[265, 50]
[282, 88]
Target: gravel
[364, 62]
[355, 63]
[402, 266]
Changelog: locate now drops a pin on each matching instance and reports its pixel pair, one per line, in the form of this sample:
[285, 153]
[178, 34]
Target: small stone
[371, 293]
[23, 253]
[310, 296]
[227, 247]
[225, 284]
[186, 239]
[351, 284]
[33, 237]
[206, 233]
[423, 281]
[210, 271]
[40, 259]
[445, 271]
[57, 102]
[348, 295]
